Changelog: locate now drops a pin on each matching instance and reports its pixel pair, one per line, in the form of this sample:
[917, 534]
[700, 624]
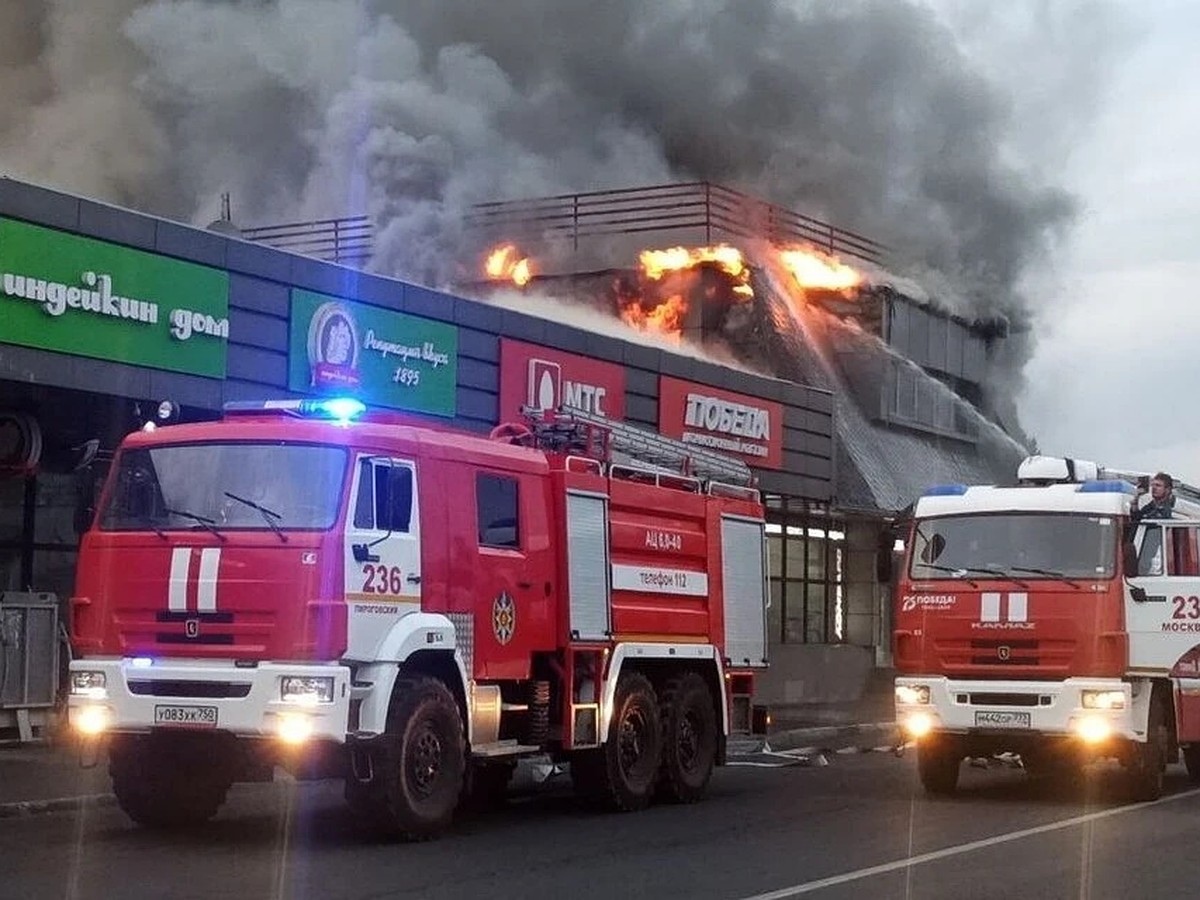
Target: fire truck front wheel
[689, 738]
[423, 761]
[1147, 761]
[1191, 759]
[939, 758]
[622, 774]
[168, 781]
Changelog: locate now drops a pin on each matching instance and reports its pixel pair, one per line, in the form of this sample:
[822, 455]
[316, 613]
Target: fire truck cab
[1040, 619]
[345, 593]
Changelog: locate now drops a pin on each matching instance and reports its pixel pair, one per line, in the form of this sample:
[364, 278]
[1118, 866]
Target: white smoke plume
[870, 113]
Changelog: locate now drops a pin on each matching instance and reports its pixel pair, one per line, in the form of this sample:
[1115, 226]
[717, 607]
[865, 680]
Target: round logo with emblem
[504, 618]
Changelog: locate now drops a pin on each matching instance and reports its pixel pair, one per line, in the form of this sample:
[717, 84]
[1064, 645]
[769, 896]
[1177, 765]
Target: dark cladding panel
[258, 330]
[482, 376]
[601, 346]
[478, 345]
[641, 409]
[191, 244]
[323, 277]
[419, 301]
[101, 377]
[116, 225]
[477, 315]
[808, 466]
[564, 337]
[378, 291]
[642, 357]
[257, 295]
[259, 366]
[522, 327]
[680, 367]
[478, 405]
[639, 381]
[257, 259]
[39, 205]
[807, 420]
[104, 378]
[186, 390]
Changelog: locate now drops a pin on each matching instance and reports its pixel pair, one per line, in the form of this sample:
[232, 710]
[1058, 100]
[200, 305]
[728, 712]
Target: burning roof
[805, 315]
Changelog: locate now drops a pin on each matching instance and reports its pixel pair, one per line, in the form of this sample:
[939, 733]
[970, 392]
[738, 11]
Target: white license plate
[186, 716]
[1003, 719]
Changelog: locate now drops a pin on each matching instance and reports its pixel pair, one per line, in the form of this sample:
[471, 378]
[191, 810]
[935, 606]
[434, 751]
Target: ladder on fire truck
[620, 444]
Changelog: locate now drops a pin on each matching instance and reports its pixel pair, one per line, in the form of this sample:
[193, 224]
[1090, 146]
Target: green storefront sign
[77, 295]
[379, 356]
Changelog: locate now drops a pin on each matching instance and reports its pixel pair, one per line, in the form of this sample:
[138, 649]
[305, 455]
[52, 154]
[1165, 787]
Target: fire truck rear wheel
[1191, 759]
[164, 782]
[689, 738]
[622, 774]
[939, 759]
[424, 761]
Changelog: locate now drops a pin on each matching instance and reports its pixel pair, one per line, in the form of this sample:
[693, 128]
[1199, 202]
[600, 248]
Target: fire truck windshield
[1025, 546]
[189, 486]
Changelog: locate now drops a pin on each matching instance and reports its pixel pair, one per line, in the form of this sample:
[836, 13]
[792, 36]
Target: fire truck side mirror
[884, 553]
[1129, 559]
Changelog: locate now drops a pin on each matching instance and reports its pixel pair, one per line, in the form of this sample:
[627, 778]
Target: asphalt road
[857, 827]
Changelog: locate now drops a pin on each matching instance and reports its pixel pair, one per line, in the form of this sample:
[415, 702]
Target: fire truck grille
[1004, 653]
[176, 688]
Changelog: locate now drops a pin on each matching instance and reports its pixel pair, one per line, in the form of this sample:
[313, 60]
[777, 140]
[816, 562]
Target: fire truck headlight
[305, 691]
[1103, 699]
[1093, 729]
[91, 720]
[918, 724]
[909, 694]
[294, 728]
[89, 684]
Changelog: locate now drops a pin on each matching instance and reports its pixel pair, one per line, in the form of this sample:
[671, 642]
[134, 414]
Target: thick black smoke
[866, 112]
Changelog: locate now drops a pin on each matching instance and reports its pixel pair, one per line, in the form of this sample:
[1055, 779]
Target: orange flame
[814, 269]
[656, 263]
[666, 318]
[505, 263]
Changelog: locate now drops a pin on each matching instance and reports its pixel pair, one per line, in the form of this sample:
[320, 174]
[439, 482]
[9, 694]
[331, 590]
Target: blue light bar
[946, 490]
[1106, 486]
[339, 409]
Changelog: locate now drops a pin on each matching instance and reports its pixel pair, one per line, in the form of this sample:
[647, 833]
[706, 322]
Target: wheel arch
[659, 662]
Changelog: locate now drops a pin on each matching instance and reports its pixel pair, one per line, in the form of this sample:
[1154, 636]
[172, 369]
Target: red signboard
[546, 379]
[742, 426]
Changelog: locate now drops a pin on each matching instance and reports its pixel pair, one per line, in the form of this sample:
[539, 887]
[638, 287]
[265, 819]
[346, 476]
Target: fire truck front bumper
[292, 703]
[1090, 710]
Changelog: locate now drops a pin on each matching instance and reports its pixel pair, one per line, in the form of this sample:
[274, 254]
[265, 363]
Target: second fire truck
[414, 610]
[1040, 618]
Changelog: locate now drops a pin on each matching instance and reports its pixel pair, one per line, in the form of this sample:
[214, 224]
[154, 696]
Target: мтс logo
[545, 384]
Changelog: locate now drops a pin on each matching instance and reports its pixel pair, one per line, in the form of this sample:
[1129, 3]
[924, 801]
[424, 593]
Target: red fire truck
[311, 585]
[1042, 619]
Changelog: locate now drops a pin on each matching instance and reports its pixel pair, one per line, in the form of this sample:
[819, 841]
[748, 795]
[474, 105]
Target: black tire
[1148, 761]
[938, 764]
[622, 775]
[165, 783]
[690, 739]
[420, 771]
[1191, 759]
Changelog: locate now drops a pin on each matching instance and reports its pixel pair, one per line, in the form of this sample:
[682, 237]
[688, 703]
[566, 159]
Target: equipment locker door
[382, 551]
[744, 588]
[587, 566]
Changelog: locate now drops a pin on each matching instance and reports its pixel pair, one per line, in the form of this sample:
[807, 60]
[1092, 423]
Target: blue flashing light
[1106, 486]
[946, 490]
[343, 409]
